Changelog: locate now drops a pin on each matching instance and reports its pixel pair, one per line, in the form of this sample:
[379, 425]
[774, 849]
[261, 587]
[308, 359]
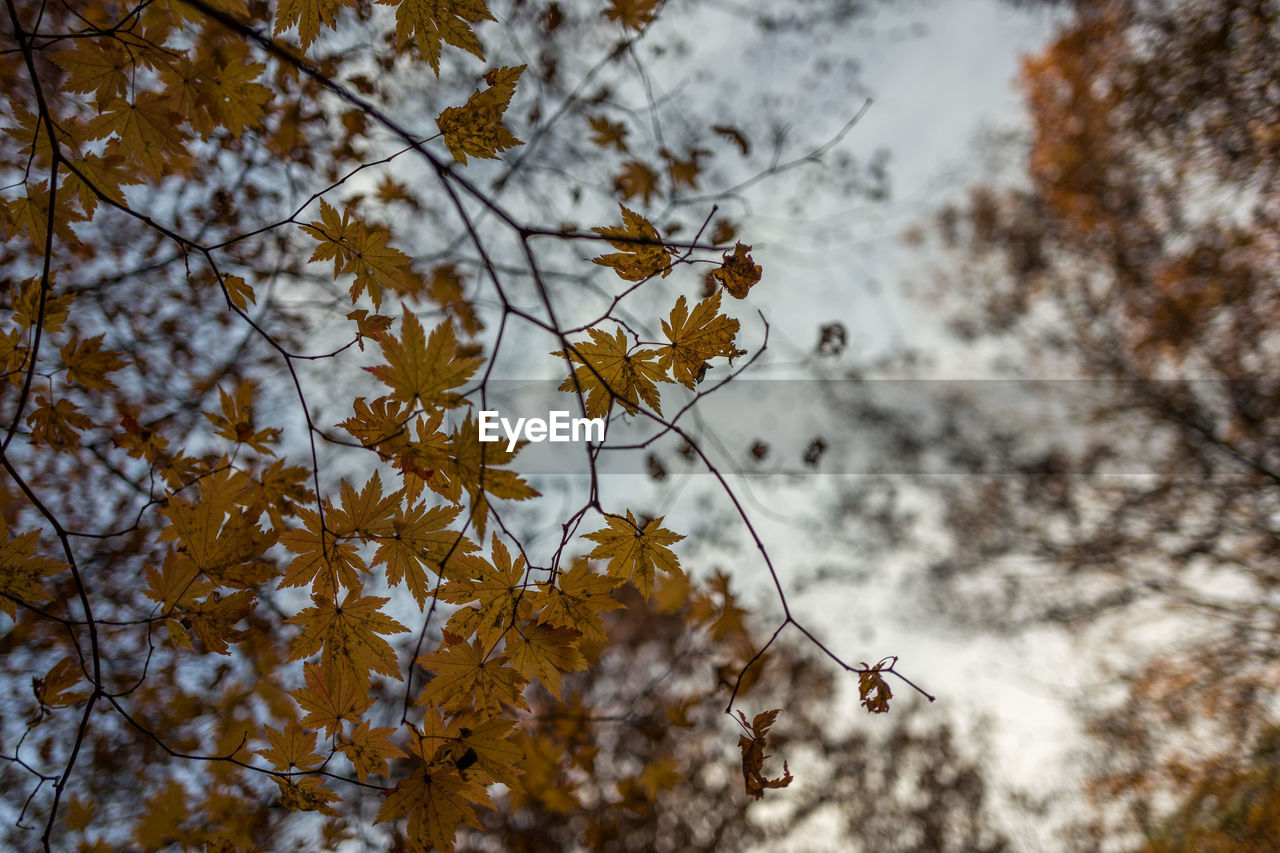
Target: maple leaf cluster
[275, 593]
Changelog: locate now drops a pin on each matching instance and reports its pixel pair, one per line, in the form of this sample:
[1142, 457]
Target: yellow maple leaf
[239, 292]
[445, 289]
[476, 128]
[608, 372]
[368, 749]
[309, 15]
[214, 619]
[498, 588]
[424, 369]
[417, 538]
[436, 799]
[57, 424]
[684, 172]
[291, 748]
[696, 338]
[471, 740]
[347, 634]
[162, 815]
[100, 66]
[219, 539]
[306, 794]
[335, 232]
[54, 690]
[357, 247]
[471, 673]
[634, 552]
[473, 465]
[215, 88]
[149, 133]
[323, 561]
[330, 697]
[376, 265]
[427, 23]
[21, 570]
[366, 512]
[640, 254]
[235, 422]
[577, 599]
[546, 652]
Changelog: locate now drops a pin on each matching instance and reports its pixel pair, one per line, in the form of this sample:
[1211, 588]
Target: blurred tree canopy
[1130, 276]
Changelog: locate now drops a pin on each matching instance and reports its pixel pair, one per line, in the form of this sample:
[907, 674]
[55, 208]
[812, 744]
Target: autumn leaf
[361, 249]
[54, 690]
[416, 538]
[309, 15]
[21, 570]
[733, 135]
[324, 562]
[24, 302]
[428, 23]
[546, 652]
[472, 740]
[738, 272]
[424, 369]
[306, 794]
[752, 745]
[474, 466]
[605, 133]
[684, 172]
[215, 617]
[291, 748]
[368, 325]
[576, 599]
[636, 179]
[335, 233]
[696, 338]
[221, 540]
[57, 424]
[148, 130]
[347, 633]
[632, 14]
[873, 689]
[634, 552]
[236, 420]
[471, 673]
[161, 815]
[366, 512]
[609, 372]
[239, 292]
[446, 290]
[331, 697]
[99, 66]
[498, 588]
[476, 128]
[640, 254]
[435, 799]
[369, 749]
[376, 265]
[88, 363]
